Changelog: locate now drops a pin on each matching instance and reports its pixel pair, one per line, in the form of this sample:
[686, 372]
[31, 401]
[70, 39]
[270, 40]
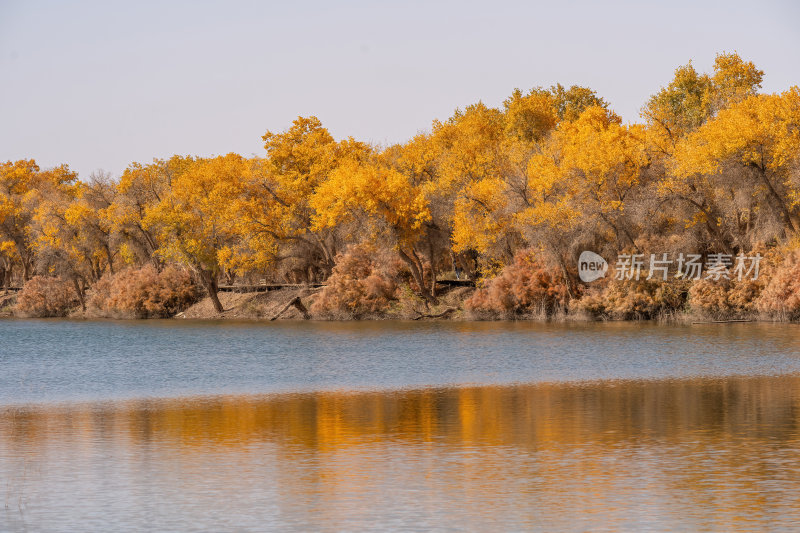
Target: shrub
[724, 298]
[362, 283]
[143, 293]
[633, 299]
[43, 297]
[781, 296]
[524, 287]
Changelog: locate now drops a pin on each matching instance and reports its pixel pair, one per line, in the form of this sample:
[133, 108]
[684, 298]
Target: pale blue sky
[102, 84]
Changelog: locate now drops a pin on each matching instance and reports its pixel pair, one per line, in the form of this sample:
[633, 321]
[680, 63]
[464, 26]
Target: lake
[316, 426]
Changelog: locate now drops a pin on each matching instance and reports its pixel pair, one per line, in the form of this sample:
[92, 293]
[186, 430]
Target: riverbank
[278, 305]
[7, 302]
[282, 304]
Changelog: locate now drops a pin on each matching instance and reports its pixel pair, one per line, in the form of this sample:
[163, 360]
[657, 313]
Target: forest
[507, 197]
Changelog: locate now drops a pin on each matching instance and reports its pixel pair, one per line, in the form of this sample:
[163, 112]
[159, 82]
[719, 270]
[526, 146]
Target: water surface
[56, 361]
[171, 426]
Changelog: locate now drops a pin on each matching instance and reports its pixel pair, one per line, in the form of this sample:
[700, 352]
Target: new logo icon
[591, 266]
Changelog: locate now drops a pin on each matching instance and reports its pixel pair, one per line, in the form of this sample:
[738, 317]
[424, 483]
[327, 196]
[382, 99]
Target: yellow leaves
[530, 117]
[374, 190]
[224, 255]
[299, 158]
[733, 80]
[18, 178]
[19, 188]
[196, 218]
[558, 214]
[468, 145]
[760, 131]
[274, 208]
[78, 212]
[417, 158]
[678, 108]
[544, 175]
[480, 216]
[549, 161]
[598, 147]
[593, 153]
[126, 254]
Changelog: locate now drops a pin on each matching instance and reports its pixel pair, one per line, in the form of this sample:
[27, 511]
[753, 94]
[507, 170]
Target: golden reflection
[727, 446]
[533, 416]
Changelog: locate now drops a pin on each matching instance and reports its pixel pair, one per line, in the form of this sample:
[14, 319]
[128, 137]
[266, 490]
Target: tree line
[711, 167]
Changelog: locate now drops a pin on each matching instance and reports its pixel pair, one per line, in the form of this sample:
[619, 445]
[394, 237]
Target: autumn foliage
[44, 297]
[632, 299]
[724, 298]
[362, 284]
[713, 167]
[525, 287]
[143, 293]
[781, 296]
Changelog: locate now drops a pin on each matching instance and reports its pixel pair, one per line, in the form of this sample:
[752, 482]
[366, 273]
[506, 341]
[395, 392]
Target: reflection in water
[685, 454]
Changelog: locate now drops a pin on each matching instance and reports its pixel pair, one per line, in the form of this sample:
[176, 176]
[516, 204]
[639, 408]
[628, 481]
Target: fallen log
[734, 320]
[438, 315]
[297, 304]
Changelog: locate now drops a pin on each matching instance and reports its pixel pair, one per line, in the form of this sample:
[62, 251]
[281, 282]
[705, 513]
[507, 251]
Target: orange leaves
[525, 287]
[362, 284]
[143, 293]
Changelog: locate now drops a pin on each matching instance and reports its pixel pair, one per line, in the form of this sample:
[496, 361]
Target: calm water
[175, 426]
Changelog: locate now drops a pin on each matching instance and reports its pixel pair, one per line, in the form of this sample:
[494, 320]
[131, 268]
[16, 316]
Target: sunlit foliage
[714, 166]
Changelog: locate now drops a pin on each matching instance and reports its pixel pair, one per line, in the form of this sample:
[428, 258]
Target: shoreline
[260, 306]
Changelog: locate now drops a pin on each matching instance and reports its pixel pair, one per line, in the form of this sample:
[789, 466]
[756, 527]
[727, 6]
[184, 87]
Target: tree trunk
[110, 257]
[433, 266]
[9, 276]
[26, 271]
[418, 273]
[210, 283]
[778, 202]
[79, 291]
[298, 304]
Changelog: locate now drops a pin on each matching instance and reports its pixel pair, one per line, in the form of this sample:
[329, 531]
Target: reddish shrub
[781, 296]
[523, 287]
[362, 283]
[633, 299]
[143, 293]
[46, 297]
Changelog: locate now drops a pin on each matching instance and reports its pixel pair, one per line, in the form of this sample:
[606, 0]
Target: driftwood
[723, 321]
[438, 315]
[298, 304]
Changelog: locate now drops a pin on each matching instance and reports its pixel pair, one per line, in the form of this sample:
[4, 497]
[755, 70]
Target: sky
[98, 85]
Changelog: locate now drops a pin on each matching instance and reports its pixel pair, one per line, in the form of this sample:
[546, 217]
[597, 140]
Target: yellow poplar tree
[757, 137]
[588, 172]
[73, 235]
[140, 188]
[386, 202]
[22, 187]
[275, 208]
[196, 218]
